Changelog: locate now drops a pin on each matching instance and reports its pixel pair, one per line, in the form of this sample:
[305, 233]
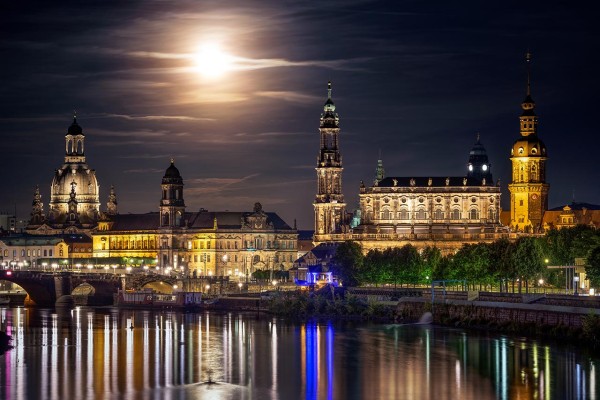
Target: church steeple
[172, 206]
[329, 201]
[529, 120]
[528, 188]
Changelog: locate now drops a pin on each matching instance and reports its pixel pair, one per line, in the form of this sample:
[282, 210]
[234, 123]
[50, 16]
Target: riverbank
[550, 321]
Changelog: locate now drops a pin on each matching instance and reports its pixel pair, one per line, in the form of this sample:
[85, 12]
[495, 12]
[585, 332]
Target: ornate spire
[379, 171]
[37, 208]
[528, 61]
[111, 205]
[329, 106]
[528, 104]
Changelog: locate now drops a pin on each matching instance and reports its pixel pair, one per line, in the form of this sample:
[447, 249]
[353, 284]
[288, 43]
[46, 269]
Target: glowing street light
[240, 286]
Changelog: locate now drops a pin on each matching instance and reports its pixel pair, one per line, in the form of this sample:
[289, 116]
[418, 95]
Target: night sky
[414, 79]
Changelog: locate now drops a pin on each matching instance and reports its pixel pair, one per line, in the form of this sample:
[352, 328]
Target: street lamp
[240, 286]
[44, 265]
[576, 283]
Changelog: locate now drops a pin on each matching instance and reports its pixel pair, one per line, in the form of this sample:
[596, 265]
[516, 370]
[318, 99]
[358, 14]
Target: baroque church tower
[528, 189]
[172, 206]
[329, 201]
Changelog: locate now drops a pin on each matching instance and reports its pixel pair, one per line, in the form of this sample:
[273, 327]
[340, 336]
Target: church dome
[528, 146]
[82, 180]
[75, 128]
[172, 174]
[479, 166]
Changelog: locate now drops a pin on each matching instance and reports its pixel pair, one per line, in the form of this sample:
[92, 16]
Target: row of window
[126, 244]
[437, 214]
[31, 253]
[256, 259]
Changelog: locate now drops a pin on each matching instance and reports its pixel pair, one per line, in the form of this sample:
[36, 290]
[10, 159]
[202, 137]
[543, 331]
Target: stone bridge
[45, 288]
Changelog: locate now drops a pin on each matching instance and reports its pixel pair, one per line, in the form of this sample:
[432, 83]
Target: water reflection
[106, 353]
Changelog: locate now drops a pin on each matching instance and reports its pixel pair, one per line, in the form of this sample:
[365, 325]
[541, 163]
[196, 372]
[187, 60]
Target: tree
[348, 262]
[431, 258]
[528, 259]
[375, 268]
[592, 267]
[501, 266]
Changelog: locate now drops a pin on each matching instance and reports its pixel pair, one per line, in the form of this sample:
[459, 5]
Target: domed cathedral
[74, 205]
[330, 209]
[442, 211]
[528, 189]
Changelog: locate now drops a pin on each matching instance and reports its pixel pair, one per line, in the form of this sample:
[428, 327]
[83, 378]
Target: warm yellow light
[213, 62]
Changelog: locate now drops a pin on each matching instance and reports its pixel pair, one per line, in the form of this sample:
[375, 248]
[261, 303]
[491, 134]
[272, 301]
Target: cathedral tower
[172, 207]
[528, 189]
[329, 201]
[82, 198]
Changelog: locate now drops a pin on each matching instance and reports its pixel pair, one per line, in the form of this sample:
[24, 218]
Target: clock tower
[528, 188]
[329, 201]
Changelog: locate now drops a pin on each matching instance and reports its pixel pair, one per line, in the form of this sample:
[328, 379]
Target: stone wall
[485, 313]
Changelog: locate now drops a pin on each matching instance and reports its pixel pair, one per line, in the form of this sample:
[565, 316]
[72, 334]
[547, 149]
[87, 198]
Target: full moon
[212, 62]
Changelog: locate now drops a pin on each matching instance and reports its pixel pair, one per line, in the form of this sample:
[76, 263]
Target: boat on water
[151, 299]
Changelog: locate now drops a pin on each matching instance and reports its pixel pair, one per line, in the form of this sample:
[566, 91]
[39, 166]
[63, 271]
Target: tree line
[503, 263]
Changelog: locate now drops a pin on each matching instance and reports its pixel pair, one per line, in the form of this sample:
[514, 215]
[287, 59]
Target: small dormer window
[521, 150]
[534, 151]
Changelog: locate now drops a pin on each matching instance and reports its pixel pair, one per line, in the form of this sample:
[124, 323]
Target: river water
[117, 354]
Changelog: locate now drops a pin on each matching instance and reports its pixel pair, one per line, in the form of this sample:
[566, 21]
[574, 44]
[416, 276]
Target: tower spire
[528, 63]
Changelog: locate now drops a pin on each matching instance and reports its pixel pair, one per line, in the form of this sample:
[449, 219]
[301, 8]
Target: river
[87, 353]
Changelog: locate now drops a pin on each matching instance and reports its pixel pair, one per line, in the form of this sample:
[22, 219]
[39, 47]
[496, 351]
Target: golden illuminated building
[442, 211]
[528, 188]
[198, 243]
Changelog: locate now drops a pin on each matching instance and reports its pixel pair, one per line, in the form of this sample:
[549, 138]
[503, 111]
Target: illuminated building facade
[443, 211]
[74, 194]
[201, 243]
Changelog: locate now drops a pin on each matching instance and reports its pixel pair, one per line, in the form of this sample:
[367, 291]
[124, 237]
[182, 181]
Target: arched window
[438, 214]
[385, 214]
[178, 218]
[492, 214]
[474, 214]
[456, 213]
[404, 214]
[256, 259]
[421, 214]
[166, 218]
